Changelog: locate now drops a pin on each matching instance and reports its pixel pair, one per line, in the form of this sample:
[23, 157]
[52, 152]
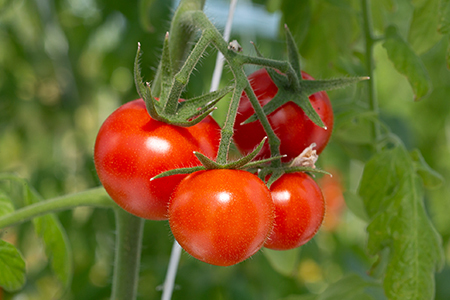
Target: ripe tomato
[295, 130]
[131, 148]
[299, 211]
[221, 217]
[332, 189]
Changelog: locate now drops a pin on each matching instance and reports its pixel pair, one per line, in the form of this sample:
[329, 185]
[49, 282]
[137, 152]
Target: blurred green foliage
[65, 65]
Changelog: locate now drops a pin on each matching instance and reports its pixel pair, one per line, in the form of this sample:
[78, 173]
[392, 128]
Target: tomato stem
[96, 197]
[182, 77]
[370, 41]
[128, 255]
[274, 141]
[236, 62]
[226, 134]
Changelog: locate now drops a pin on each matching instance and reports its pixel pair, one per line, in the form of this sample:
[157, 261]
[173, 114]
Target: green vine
[96, 197]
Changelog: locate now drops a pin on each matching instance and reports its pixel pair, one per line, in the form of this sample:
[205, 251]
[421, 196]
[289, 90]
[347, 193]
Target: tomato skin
[295, 130]
[299, 211]
[131, 148]
[221, 217]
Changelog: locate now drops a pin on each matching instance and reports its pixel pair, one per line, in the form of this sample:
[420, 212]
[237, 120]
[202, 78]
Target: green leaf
[355, 126]
[407, 63]
[430, 178]
[284, 262]
[351, 287]
[57, 247]
[52, 233]
[356, 205]
[423, 32]
[393, 197]
[12, 266]
[6, 206]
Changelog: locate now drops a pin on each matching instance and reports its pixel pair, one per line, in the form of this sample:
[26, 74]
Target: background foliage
[65, 65]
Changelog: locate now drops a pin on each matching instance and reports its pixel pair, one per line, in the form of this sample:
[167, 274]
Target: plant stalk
[128, 255]
[96, 197]
[370, 41]
[182, 77]
[236, 62]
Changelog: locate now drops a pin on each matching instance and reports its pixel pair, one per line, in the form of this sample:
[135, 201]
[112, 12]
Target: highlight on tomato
[222, 216]
[131, 148]
[299, 211]
[290, 123]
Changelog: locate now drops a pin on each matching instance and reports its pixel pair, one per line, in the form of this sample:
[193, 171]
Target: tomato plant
[62, 65]
[295, 130]
[131, 148]
[299, 211]
[221, 217]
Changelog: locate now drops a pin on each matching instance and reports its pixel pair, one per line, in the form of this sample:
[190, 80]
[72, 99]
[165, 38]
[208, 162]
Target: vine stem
[217, 74]
[169, 281]
[236, 62]
[96, 197]
[128, 255]
[370, 41]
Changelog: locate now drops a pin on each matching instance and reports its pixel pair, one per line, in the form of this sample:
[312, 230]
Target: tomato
[222, 216]
[131, 148]
[299, 211]
[295, 130]
[332, 189]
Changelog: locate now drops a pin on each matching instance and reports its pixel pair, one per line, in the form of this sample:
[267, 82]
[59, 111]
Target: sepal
[293, 53]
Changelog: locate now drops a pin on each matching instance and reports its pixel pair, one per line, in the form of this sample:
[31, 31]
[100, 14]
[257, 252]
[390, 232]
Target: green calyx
[245, 162]
[168, 108]
[292, 88]
[163, 103]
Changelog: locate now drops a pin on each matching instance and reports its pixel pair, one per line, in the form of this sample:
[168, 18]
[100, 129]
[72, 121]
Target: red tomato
[295, 130]
[131, 148]
[299, 211]
[221, 217]
[332, 189]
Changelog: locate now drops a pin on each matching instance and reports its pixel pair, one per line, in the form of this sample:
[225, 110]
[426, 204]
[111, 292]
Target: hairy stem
[181, 33]
[180, 36]
[128, 255]
[227, 130]
[182, 77]
[370, 41]
[236, 62]
[274, 141]
[96, 197]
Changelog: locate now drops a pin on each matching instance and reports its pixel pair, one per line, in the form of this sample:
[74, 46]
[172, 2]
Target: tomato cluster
[131, 148]
[219, 216]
